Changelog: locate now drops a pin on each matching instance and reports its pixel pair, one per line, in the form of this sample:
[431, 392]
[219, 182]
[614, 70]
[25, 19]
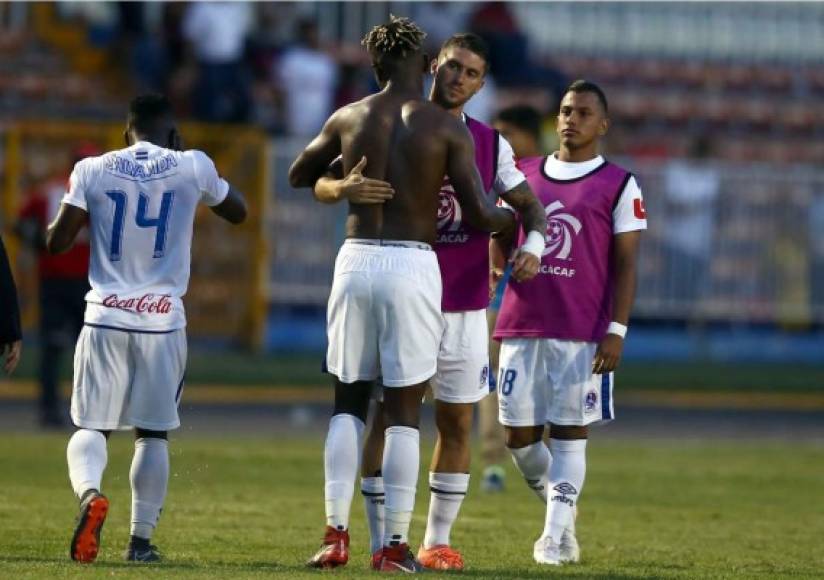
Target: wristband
[617, 329]
[534, 244]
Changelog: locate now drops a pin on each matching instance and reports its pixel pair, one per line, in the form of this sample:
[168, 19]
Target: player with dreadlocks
[384, 315]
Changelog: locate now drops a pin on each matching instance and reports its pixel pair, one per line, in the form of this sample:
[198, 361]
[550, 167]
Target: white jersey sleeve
[508, 175]
[78, 186]
[213, 188]
[629, 214]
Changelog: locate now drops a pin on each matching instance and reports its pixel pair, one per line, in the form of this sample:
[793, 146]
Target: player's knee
[149, 434]
[517, 437]
[105, 433]
[352, 399]
[568, 432]
[454, 422]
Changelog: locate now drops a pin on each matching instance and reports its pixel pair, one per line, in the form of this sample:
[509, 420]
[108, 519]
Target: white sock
[401, 461]
[448, 491]
[533, 461]
[87, 456]
[341, 460]
[566, 479]
[149, 477]
[373, 500]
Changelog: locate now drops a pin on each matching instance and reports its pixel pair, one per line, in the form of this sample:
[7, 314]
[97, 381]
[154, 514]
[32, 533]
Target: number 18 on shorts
[544, 380]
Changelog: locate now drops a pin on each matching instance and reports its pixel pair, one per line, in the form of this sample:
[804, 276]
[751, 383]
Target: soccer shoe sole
[86, 539]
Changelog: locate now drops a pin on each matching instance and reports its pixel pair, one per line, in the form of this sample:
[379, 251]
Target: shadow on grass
[292, 570]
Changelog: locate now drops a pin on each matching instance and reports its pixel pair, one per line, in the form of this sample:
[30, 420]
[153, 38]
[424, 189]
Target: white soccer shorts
[125, 379]
[463, 360]
[384, 315]
[544, 380]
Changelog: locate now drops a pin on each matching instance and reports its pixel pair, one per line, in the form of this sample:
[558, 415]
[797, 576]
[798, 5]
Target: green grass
[253, 508]
[239, 368]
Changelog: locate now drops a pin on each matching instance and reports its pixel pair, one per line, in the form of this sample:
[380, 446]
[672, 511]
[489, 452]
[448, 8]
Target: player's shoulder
[531, 165]
[88, 166]
[616, 167]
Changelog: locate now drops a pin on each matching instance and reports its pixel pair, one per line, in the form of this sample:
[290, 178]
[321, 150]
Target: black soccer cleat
[86, 538]
[140, 550]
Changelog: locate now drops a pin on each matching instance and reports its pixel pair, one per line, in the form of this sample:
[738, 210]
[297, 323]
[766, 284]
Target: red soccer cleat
[395, 559]
[86, 539]
[333, 552]
[440, 557]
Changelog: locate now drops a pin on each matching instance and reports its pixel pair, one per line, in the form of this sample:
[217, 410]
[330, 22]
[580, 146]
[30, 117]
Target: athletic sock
[401, 460]
[448, 491]
[533, 461]
[149, 477]
[87, 456]
[341, 459]
[373, 501]
[566, 479]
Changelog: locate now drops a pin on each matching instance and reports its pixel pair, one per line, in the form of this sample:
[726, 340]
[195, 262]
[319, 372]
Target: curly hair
[397, 38]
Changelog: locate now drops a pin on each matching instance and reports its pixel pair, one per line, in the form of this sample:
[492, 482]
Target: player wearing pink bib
[562, 332]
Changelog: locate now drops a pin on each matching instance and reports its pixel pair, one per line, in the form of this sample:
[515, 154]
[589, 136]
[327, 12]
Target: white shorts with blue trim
[126, 378]
[545, 380]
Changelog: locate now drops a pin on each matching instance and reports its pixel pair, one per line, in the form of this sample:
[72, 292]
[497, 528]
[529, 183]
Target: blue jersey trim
[130, 329]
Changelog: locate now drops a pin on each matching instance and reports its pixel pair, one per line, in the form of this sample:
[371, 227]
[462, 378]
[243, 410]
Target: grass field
[252, 508]
[301, 369]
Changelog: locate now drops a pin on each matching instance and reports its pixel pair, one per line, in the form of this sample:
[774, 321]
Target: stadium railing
[751, 250]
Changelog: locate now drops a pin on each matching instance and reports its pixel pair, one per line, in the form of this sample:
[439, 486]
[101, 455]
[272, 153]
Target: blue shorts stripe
[179, 390]
[606, 397]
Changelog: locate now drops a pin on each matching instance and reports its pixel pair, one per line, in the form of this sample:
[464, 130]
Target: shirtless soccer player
[384, 316]
[563, 332]
[462, 378]
[140, 204]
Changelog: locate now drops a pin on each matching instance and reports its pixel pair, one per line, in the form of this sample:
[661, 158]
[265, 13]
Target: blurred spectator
[509, 58]
[691, 187]
[440, 20]
[10, 335]
[63, 281]
[217, 32]
[308, 78]
[521, 126]
[816, 264]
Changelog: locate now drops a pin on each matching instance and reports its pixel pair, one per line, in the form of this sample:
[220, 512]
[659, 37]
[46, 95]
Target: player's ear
[604, 126]
[433, 66]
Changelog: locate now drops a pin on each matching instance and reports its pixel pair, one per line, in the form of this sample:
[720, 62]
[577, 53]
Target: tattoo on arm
[527, 205]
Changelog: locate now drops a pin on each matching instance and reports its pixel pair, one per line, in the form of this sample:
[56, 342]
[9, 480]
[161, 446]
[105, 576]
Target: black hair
[471, 42]
[391, 42]
[584, 86]
[524, 117]
[146, 110]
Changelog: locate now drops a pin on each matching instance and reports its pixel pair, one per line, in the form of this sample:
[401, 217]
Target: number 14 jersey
[141, 203]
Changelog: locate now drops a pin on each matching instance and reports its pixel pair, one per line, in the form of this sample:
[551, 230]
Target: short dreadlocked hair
[391, 42]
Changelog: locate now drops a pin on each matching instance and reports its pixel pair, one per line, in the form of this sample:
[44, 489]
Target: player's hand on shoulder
[608, 354]
[363, 190]
[525, 265]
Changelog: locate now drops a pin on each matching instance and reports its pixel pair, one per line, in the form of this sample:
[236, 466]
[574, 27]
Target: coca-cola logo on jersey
[146, 304]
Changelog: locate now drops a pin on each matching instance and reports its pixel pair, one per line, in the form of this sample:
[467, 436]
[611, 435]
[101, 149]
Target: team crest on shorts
[591, 402]
[485, 376]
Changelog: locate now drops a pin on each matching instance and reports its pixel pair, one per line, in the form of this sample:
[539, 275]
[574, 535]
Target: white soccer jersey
[141, 203]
